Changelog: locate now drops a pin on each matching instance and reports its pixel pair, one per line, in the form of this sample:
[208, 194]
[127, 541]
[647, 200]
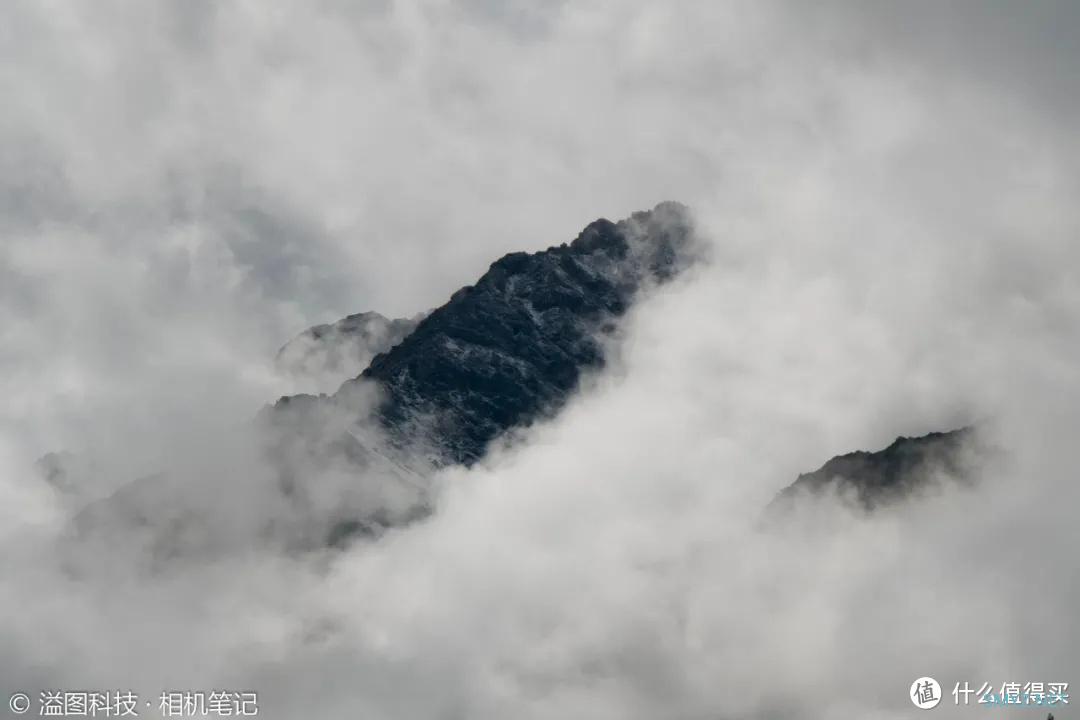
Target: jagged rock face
[513, 346]
[908, 465]
[324, 356]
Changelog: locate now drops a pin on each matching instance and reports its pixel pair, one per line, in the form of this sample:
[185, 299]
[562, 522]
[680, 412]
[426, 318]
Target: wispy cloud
[890, 195]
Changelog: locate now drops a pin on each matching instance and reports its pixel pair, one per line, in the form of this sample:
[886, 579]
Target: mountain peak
[512, 347]
[600, 234]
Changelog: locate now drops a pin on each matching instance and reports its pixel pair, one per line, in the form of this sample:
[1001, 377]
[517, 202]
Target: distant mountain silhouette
[873, 479]
[324, 356]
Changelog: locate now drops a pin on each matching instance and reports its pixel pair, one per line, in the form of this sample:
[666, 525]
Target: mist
[887, 194]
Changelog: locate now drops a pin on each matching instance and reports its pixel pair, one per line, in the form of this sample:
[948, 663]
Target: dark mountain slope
[513, 346]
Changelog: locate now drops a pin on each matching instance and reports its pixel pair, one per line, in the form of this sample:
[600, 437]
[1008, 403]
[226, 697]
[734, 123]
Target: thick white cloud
[889, 196]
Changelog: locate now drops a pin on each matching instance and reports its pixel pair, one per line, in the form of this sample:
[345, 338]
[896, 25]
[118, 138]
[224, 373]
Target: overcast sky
[889, 190]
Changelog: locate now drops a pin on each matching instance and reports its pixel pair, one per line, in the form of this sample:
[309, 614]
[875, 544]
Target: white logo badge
[925, 693]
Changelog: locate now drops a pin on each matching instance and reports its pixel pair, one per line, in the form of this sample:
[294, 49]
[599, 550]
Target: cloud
[185, 186]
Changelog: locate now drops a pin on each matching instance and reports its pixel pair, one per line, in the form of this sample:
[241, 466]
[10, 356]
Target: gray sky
[889, 189]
